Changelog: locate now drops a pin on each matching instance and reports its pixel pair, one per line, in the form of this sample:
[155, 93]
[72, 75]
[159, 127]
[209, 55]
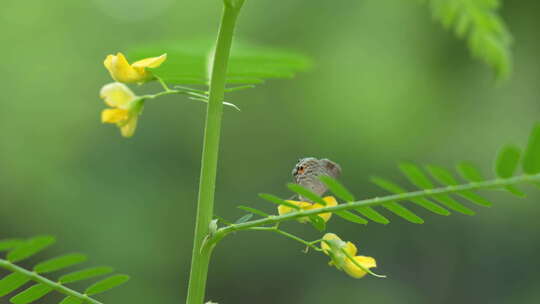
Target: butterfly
[307, 171]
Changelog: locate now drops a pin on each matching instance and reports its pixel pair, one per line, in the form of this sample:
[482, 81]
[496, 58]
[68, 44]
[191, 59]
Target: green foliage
[29, 248]
[469, 172]
[507, 163]
[306, 193]
[531, 161]
[276, 200]
[19, 250]
[478, 22]
[244, 218]
[107, 284]
[338, 189]
[31, 294]
[351, 217]
[188, 63]
[85, 274]
[12, 282]
[253, 210]
[9, 244]
[430, 196]
[59, 263]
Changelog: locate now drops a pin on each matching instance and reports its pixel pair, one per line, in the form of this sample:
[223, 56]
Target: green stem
[271, 220]
[291, 236]
[205, 206]
[39, 279]
[169, 92]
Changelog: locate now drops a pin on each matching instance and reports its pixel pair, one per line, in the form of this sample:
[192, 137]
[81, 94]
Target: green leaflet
[507, 161]
[531, 158]
[31, 294]
[403, 212]
[60, 263]
[442, 175]
[30, 247]
[187, 62]
[416, 176]
[107, 284]
[9, 244]
[469, 172]
[244, 218]
[337, 188]
[373, 215]
[506, 165]
[11, 282]
[253, 210]
[351, 217]
[276, 200]
[515, 191]
[306, 193]
[85, 274]
[71, 300]
[475, 198]
[450, 203]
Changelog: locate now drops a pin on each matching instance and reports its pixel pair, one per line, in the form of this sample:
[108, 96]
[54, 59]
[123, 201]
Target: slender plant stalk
[205, 207]
[42, 280]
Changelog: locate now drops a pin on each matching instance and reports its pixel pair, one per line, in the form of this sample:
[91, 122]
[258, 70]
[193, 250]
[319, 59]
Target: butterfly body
[308, 170]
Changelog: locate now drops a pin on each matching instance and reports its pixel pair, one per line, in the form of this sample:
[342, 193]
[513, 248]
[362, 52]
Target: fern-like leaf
[451, 189]
[478, 22]
[187, 63]
[19, 250]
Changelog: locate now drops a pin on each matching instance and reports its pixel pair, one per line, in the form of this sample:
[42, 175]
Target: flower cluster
[343, 256]
[330, 201]
[125, 106]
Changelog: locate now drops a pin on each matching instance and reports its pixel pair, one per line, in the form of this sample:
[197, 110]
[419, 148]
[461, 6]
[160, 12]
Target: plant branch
[291, 236]
[497, 183]
[40, 279]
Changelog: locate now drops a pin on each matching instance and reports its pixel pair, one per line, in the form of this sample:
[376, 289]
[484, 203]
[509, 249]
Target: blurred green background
[388, 83]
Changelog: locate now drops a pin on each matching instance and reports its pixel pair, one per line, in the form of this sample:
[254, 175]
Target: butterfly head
[308, 170]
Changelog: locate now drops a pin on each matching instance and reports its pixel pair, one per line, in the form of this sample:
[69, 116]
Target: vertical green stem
[201, 256]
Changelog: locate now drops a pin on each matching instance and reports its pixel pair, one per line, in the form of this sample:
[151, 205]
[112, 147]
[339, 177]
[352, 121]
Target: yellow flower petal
[330, 202]
[108, 62]
[282, 209]
[114, 115]
[128, 129]
[152, 62]
[122, 71]
[117, 95]
[356, 272]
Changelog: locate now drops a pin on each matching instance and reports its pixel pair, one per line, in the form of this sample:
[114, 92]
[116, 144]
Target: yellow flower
[341, 253]
[125, 107]
[122, 71]
[330, 201]
[356, 272]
